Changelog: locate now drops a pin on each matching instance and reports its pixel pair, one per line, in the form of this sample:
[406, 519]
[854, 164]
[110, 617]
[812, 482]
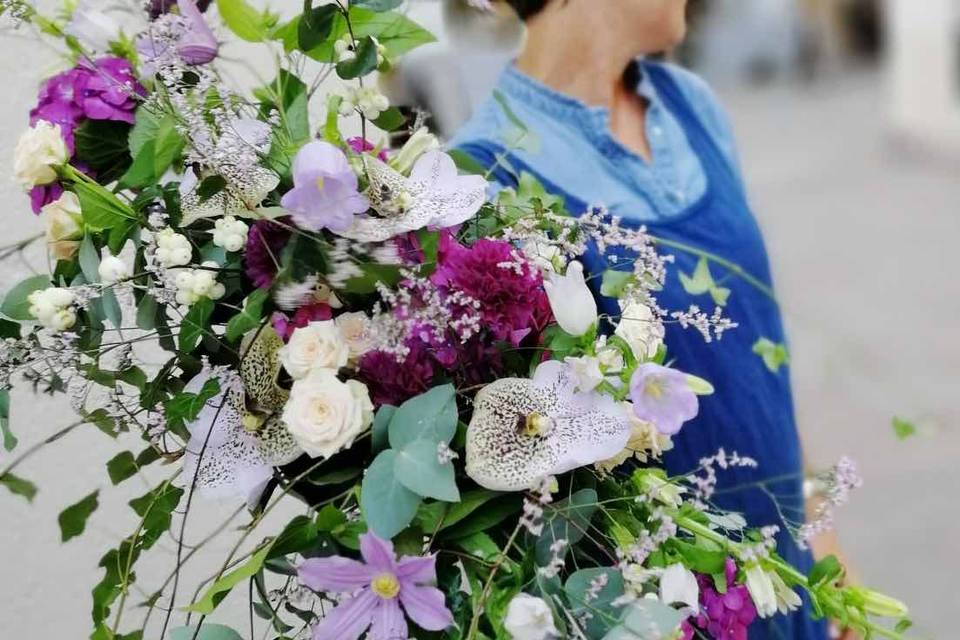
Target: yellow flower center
[386, 586]
[320, 183]
[536, 425]
[654, 388]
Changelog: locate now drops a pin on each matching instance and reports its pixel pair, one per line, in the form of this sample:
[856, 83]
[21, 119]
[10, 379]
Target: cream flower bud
[357, 332]
[325, 415]
[230, 233]
[571, 300]
[529, 618]
[40, 150]
[63, 225]
[641, 329]
[761, 590]
[52, 307]
[319, 345]
[679, 585]
[112, 269]
[419, 143]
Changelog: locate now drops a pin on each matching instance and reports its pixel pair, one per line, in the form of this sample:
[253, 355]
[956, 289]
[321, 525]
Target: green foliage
[125, 465]
[73, 519]
[315, 24]
[702, 282]
[15, 305]
[288, 96]
[250, 317]
[387, 505]
[195, 324]
[376, 5]
[156, 508]
[615, 282]
[567, 519]
[418, 467]
[397, 33]
[903, 429]
[101, 146]
[390, 120]
[774, 354]
[430, 416]
[517, 136]
[219, 589]
[184, 407]
[9, 440]
[645, 618]
[379, 436]
[245, 21]
[364, 62]
[603, 614]
[156, 146]
[101, 209]
[826, 571]
[208, 631]
[19, 486]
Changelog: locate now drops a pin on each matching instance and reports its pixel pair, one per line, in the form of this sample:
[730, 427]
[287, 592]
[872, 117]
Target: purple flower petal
[425, 606]
[334, 574]
[417, 569]
[350, 619]
[378, 553]
[662, 396]
[388, 622]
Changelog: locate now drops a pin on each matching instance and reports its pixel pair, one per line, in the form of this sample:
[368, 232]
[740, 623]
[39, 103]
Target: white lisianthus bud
[571, 300]
[40, 150]
[545, 256]
[325, 415]
[586, 371]
[230, 233]
[173, 249]
[761, 590]
[53, 308]
[610, 357]
[112, 269]
[641, 329]
[419, 143]
[529, 618]
[357, 332]
[679, 585]
[319, 345]
[63, 225]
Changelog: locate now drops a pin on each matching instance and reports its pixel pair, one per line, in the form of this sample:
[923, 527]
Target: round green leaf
[430, 416]
[387, 505]
[15, 305]
[418, 467]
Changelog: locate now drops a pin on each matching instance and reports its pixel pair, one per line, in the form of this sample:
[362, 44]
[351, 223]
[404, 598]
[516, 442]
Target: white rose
[529, 618]
[324, 415]
[112, 269]
[642, 331]
[357, 333]
[319, 345]
[39, 151]
[678, 584]
[63, 225]
[571, 300]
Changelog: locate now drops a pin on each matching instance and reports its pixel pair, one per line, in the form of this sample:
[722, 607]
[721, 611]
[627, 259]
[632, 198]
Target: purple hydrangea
[325, 193]
[724, 616]
[663, 396]
[384, 591]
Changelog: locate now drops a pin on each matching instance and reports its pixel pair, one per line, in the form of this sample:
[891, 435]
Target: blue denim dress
[751, 412]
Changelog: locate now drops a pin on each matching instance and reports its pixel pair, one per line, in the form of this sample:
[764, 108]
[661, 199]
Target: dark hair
[527, 8]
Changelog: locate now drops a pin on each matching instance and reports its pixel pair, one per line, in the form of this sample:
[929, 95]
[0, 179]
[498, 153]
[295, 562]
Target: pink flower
[384, 591]
[725, 616]
[359, 145]
[303, 316]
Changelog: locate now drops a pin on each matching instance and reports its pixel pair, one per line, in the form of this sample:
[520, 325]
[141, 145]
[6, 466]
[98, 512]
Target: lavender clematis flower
[525, 430]
[663, 396]
[325, 192]
[383, 590]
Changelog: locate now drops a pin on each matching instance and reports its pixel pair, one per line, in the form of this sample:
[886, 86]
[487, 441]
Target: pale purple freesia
[382, 589]
[663, 396]
[197, 45]
[325, 193]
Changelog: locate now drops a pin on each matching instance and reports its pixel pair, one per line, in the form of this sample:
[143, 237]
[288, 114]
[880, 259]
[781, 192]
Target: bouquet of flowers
[333, 311]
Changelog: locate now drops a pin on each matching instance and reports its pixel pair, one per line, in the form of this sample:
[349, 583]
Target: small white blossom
[529, 618]
[173, 249]
[367, 100]
[112, 269]
[230, 233]
[195, 284]
[53, 307]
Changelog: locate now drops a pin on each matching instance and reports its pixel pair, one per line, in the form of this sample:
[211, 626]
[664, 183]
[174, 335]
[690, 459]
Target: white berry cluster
[370, 102]
[112, 269]
[230, 233]
[194, 284]
[53, 307]
[173, 249]
[345, 50]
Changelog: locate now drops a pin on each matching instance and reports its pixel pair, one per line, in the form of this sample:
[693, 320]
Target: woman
[649, 141]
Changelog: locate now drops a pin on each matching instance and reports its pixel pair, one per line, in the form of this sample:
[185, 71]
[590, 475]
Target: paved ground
[862, 239]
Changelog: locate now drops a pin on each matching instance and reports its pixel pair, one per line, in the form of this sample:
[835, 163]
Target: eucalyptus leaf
[9, 440]
[584, 598]
[387, 505]
[430, 416]
[417, 466]
[567, 519]
[208, 631]
[381, 422]
[15, 305]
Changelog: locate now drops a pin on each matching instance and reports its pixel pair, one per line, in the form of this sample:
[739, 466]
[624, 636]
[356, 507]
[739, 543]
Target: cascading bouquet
[282, 311]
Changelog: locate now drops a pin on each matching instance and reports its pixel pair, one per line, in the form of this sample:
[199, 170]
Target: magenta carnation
[360, 145]
[285, 326]
[265, 242]
[724, 616]
[491, 272]
[392, 382]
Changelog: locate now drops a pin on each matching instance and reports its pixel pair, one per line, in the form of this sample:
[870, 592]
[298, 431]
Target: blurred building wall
[923, 72]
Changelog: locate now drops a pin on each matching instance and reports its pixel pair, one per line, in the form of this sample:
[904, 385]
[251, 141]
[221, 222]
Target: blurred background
[847, 114]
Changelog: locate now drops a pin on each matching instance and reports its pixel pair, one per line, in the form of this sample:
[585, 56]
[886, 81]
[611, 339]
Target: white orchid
[434, 195]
